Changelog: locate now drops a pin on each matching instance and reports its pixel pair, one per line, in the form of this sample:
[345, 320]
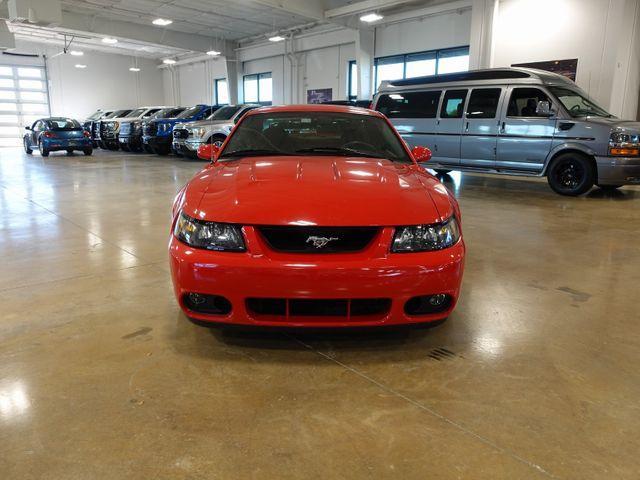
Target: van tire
[441, 171]
[571, 174]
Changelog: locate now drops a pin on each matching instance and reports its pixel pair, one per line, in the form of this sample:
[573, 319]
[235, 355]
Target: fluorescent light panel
[162, 22]
[276, 38]
[371, 17]
[109, 40]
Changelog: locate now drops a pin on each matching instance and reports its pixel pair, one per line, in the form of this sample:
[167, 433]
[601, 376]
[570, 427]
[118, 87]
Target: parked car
[158, 133]
[188, 137]
[515, 121]
[100, 125]
[316, 216]
[90, 123]
[57, 133]
[130, 133]
[111, 127]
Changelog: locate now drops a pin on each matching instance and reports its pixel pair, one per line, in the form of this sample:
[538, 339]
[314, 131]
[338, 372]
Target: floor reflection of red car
[316, 215]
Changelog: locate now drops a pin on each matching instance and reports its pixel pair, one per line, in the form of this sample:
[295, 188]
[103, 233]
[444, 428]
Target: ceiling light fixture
[168, 61]
[371, 17]
[109, 40]
[276, 38]
[76, 53]
[79, 65]
[213, 53]
[162, 22]
[134, 69]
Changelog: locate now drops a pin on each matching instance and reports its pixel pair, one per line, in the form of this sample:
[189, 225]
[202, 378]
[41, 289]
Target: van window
[483, 103]
[524, 102]
[453, 104]
[409, 104]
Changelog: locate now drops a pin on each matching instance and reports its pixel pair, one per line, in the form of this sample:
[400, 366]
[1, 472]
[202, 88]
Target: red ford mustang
[316, 216]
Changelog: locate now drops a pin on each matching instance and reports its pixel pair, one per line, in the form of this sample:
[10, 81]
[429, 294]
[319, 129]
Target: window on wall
[222, 91]
[352, 87]
[23, 99]
[434, 62]
[258, 88]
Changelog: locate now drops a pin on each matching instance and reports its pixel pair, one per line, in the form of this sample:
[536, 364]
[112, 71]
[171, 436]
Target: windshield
[168, 113]
[317, 134]
[224, 113]
[63, 124]
[190, 112]
[137, 113]
[577, 104]
[119, 113]
[95, 116]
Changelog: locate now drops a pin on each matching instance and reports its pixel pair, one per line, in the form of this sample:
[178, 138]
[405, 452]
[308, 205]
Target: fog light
[197, 299]
[437, 300]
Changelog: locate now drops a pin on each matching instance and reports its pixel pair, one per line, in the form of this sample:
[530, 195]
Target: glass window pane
[30, 72]
[10, 142]
[7, 71]
[8, 106]
[451, 61]
[409, 104]
[353, 80]
[8, 119]
[6, 131]
[34, 107]
[389, 71]
[421, 64]
[31, 84]
[453, 104]
[483, 103]
[6, 83]
[33, 96]
[524, 102]
[251, 88]
[222, 92]
[7, 95]
[266, 88]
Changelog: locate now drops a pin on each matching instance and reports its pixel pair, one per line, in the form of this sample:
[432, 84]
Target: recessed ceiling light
[371, 17]
[134, 69]
[168, 61]
[79, 65]
[276, 38]
[213, 53]
[109, 40]
[162, 22]
[76, 53]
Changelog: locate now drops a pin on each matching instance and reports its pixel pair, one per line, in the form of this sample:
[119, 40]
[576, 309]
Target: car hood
[626, 125]
[207, 123]
[319, 190]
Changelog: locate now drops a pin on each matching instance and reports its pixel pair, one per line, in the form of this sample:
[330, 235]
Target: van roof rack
[493, 74]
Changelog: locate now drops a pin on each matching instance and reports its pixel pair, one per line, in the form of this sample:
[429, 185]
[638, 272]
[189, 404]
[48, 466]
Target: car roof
[316, 108]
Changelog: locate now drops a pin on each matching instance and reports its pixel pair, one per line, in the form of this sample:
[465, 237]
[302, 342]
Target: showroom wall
[106, 82]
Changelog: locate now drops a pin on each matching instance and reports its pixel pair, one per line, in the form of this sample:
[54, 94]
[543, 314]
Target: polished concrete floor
[101, 377]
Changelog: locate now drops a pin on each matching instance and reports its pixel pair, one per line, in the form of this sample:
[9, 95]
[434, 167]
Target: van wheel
[217, 140]
[571, 174]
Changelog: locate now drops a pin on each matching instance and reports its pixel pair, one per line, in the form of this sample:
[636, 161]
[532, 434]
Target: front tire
[69, 151]
[571, 174]
[27, 149]
[161, 151]
[88, 151]
[217, 140]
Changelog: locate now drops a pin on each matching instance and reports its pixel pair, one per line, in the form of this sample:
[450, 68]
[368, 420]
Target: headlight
[116, 125]
[623, 144]
[198, 132]
[209, 235]
[421, 238]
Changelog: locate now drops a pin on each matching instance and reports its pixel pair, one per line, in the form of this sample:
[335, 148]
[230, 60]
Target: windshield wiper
[253, 153]
[339, 151]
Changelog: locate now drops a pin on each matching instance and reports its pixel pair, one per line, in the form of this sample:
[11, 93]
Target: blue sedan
[57, 133]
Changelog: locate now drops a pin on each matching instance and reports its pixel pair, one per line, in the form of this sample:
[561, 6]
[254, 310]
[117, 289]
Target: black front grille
[150, 129]
[339, 307]
[180, 133]
[318, 239]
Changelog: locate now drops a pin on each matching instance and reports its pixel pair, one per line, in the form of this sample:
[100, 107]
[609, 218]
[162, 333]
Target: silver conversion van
[514, 121]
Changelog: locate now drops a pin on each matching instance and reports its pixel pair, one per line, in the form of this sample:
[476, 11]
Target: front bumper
[181, 147]
[618, 170]
[262, 273]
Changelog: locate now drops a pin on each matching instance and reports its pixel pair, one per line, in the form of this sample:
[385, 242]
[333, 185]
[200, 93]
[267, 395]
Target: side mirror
[421, 154]
[27, 128]
[208, 152]
[543, 109]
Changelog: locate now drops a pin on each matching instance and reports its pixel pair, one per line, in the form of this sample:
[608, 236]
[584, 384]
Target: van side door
[450, 122]
[525, 137]
[413, 114]
[480, 135]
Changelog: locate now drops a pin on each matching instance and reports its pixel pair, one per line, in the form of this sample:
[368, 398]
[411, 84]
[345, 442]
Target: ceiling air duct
[43, 13]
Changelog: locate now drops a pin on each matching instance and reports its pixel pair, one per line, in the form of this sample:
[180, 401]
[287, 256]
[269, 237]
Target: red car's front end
[315, 240]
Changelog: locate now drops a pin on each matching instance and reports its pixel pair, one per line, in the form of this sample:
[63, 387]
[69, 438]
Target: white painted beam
[363, 7]
[312, 9]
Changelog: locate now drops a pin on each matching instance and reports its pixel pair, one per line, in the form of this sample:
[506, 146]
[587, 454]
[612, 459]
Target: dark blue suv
[157, 134]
